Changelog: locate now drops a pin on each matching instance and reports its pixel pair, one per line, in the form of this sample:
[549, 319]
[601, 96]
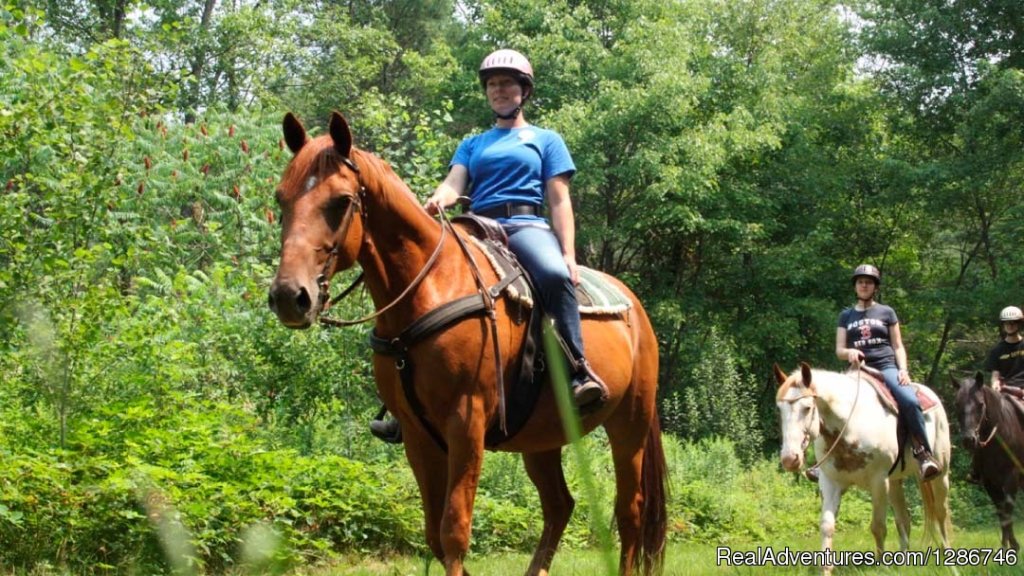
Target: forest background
[737, 158]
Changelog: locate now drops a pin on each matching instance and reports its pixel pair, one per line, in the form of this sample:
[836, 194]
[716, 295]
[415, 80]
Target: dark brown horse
[992, 430]
[342, 206]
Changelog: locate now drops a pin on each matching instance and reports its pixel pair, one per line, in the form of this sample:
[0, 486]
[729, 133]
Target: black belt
[508, 210]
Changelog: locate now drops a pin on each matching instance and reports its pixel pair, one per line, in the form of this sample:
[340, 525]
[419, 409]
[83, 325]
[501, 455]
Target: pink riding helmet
[510, 62]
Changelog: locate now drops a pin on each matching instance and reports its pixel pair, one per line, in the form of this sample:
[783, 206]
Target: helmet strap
[511, 115]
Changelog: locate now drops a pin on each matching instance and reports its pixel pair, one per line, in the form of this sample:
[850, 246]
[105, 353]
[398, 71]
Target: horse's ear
[805, 373]
[979, 379]
[780, 376]
[341, 134]
[294, 133]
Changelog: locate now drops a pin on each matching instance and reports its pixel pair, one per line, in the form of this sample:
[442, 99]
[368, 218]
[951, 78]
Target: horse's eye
[335, 211]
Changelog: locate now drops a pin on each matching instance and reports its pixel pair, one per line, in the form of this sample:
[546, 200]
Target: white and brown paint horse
[854, 436]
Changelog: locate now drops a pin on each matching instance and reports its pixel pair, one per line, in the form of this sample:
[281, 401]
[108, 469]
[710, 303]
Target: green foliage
[735, 159]
[719, 402]
[206, 466]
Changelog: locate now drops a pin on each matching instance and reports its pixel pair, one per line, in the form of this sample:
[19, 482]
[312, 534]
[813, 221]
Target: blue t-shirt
[512, 165]
[868, 331]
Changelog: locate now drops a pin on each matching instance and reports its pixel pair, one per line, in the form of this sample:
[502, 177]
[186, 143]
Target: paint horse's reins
[817, 465]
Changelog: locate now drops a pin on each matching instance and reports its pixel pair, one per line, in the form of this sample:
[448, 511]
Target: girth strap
[436, 320]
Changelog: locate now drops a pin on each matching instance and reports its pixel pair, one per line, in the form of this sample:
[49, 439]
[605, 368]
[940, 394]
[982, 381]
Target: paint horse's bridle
[807, 435]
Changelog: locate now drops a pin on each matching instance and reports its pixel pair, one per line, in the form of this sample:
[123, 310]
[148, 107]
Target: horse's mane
[319, 158]
[794, 379]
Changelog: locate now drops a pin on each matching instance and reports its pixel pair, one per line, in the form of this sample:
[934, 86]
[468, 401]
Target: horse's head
[798, 414]
[973, 401]
[321, 200]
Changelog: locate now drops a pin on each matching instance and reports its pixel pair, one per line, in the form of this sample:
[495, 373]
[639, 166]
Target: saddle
[600, 296]
[596, 296]
[1016, 403]
[925, 396]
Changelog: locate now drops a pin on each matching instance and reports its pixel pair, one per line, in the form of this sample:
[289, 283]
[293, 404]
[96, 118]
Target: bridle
[323, 280]
[486, 297]
[807, 435]
[981, 422]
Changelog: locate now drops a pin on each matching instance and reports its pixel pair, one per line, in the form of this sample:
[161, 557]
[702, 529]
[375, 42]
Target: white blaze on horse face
[795, 418]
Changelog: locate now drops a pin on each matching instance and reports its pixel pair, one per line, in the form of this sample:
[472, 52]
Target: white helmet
[1011, 314]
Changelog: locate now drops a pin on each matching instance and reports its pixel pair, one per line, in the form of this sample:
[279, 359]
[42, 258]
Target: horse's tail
[936, 513]
[654, 491]
[935, 493]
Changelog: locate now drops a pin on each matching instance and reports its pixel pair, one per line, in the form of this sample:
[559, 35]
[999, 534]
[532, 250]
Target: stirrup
[587, 388]
[927, 465]
[812, 473]
[389, 430]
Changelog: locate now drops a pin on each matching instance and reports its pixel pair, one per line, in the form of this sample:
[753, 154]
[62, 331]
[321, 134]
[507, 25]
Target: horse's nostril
[302, 301]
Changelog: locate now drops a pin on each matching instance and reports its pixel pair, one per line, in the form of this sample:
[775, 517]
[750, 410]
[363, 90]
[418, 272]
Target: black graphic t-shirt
[868, 331]
[1008, 359]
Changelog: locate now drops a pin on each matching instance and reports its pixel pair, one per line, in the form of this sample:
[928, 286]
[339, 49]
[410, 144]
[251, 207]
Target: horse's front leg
[898, 500]
[879, 501]
[545, 470]
[465, 458]
[1006, 520]
[1002, 499]
[831, 494]
[429, 466]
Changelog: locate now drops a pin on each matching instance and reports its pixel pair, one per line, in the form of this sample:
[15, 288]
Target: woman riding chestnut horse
[342, 206]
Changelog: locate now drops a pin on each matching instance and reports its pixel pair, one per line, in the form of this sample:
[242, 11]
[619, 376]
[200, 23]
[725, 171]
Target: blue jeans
[906, 399]
[539, 252]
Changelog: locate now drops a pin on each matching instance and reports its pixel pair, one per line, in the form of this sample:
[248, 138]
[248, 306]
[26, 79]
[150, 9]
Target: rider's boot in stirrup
[927, 465]
[387, 429]
[587, 387]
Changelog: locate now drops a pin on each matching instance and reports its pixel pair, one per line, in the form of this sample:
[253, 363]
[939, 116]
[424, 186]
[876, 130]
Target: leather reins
[856, 397]
[449, 312]
[981, 422]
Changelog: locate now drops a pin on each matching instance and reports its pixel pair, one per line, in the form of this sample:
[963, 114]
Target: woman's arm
[562, 220]
[896, 339]
[851, 355]
[449, 190]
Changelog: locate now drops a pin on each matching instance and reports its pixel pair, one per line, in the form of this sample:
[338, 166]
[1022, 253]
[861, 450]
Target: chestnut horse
[992, 430]
[342, 206]
[854, 438]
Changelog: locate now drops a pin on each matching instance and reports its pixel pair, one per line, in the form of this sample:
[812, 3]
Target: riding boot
[588, 390]
[813, 473]
[927, 465]
[388, 429]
